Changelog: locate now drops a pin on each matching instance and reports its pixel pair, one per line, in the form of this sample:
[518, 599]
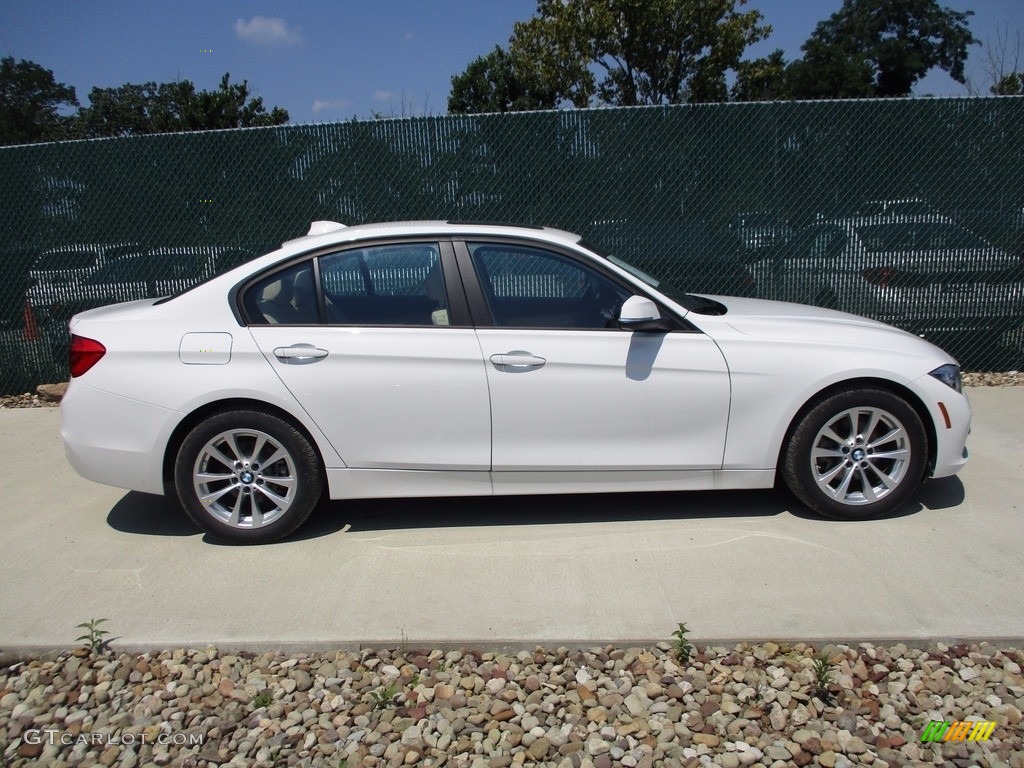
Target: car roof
[324, 232]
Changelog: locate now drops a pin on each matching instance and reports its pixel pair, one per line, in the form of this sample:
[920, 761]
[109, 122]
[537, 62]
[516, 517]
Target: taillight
[882, 276]
[84, 354]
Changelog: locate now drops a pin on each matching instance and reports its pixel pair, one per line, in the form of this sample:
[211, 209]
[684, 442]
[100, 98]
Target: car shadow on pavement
[455, 512]
[145, 514]
[395, 514]
[148, 515]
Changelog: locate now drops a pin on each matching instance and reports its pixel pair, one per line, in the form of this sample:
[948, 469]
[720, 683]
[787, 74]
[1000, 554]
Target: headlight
[949, 375]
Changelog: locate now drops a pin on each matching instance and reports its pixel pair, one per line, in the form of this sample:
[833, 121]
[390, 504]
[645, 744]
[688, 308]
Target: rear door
[382, 357]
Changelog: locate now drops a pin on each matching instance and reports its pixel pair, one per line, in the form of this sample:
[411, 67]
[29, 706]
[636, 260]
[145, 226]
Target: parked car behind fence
[922, 273]
[56, 272]
[755, 231]
[134, 274]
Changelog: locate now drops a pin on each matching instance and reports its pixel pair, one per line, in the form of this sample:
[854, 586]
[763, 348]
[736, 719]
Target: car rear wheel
[247, 477]
[856, 455]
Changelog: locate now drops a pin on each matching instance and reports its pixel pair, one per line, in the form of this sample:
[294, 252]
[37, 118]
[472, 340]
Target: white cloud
[263, 30]
[320, 105]
[383, 95]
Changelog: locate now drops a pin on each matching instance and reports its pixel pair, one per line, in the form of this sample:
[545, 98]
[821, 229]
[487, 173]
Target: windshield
[688, 300]
[635, 271]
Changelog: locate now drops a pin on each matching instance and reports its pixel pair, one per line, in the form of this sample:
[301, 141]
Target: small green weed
[384, 697]
[683, 647]
[94, 639]
[262, 699]
[822, 678]
[757, 679]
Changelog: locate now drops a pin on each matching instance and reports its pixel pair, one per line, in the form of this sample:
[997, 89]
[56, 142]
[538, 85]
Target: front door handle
[299, 354]
[517, 360]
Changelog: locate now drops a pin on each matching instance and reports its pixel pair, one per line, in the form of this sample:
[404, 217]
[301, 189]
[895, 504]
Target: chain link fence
[910, 211]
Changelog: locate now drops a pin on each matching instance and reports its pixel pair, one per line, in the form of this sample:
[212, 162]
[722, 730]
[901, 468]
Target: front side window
[528, 287]
[385, 285]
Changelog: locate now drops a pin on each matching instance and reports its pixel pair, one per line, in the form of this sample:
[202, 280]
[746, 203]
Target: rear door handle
[517, 360]
[299, 354]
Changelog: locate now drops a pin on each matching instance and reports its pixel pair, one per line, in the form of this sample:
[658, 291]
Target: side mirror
[639, 313]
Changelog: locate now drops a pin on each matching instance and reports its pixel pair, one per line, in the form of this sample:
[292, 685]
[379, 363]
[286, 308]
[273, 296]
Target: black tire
[856, 455]
[247, 477]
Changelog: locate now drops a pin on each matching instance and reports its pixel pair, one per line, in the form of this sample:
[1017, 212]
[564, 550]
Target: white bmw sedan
[445, 358]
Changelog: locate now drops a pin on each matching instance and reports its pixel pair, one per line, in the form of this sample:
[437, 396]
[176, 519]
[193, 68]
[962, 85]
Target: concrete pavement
[579, 570]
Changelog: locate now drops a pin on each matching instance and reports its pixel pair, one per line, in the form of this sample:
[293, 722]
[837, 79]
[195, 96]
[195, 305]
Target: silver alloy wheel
[860, 456]
[245, 478]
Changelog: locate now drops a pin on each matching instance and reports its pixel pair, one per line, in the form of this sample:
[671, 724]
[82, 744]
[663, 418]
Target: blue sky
[326, 61]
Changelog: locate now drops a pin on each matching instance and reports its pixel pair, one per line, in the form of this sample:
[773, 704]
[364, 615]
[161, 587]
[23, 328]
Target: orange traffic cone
[31, 332]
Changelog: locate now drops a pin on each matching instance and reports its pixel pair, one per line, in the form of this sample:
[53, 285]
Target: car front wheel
[247, 477]
[857, 454]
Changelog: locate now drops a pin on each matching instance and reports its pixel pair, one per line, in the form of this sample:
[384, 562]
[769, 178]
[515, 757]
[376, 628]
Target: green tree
[762, 79]
[493, 83]
[880, 48]
[1003, 63]
[133, 109]
[622, 52]
[1011, 85]
[30, 103]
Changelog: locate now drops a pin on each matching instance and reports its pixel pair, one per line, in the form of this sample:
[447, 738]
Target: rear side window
[386, 285]
[287, 297]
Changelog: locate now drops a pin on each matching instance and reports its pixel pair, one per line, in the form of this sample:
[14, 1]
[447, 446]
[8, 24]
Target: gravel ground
[984, 379]
[602, 707]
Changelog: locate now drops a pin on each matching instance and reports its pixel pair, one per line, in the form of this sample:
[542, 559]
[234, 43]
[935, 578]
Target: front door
[571, 391]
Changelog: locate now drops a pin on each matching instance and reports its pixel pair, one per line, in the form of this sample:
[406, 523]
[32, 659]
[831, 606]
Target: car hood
[799, 322]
